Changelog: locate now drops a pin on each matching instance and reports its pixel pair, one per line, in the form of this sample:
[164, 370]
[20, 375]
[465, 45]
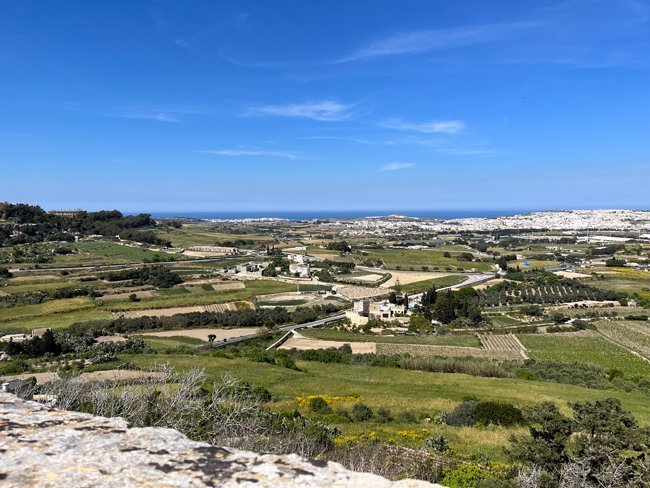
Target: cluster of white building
[365, 310]
[576, 220]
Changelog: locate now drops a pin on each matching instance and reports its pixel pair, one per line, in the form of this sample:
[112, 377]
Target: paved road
[472, 279]
[286, 328]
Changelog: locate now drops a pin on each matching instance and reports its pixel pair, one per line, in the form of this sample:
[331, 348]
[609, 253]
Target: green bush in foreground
[361, 412]
[602, 445]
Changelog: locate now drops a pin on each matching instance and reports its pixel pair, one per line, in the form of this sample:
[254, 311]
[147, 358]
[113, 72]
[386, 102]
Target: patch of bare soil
[203, 333]
[302, 343]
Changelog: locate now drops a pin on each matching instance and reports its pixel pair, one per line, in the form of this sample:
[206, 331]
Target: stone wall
[46, 447]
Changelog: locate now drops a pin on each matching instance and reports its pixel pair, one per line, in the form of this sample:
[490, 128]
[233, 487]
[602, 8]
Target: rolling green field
[36, 282]
[201, 297]
[200, 235]
[416, 258]
[59, 314]
[104, 252]
[56, 314]
[46, 308]
[423, 393]
[585, 349]
[467, 340]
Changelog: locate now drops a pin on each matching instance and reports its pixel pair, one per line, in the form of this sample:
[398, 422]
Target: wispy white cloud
[438, 145]
[252, 152]
[155, 116]
[396, 166]
[324, 110]
[433, 127]
[421, 41]
[154, 113]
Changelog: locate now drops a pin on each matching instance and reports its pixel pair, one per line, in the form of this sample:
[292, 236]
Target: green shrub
[465, 476]
[383, 415]
[527, 374]
[319, 405]
[437, 443]
[286, 362]
[406, 417]
[334, 418]
[14, 367]
[498, 413]
[463, 415]
[361, 412]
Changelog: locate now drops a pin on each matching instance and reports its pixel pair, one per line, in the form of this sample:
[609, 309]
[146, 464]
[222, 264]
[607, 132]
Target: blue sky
[337, 105]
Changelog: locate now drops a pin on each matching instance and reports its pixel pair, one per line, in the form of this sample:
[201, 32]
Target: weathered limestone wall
[53, 448]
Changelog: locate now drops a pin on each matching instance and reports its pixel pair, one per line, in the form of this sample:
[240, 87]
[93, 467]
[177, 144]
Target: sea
[341, 214]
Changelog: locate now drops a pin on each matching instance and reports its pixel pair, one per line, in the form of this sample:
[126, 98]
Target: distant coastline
[342, 214]
[356, 214]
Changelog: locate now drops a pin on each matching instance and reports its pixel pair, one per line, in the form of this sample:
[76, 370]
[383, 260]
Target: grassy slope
[102, 252]
[399, 390]
[57, 314]
[395, 388]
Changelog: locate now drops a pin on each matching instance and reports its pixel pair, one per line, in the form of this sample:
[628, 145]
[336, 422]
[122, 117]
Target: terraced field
[503, 342]
[633, 334]
[252, 289]
[586, 347]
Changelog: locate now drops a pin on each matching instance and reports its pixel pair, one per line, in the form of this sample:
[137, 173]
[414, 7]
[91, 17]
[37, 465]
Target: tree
[444, 309]
[609, 448]
[614, 262]
[429, 297]
[361, 412]
[549, 434]
[604, 432]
